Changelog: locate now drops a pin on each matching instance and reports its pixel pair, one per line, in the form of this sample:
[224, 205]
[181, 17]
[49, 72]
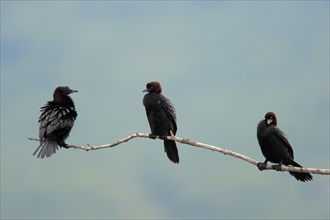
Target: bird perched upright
[276, 147]
[162, 118]
[55, 122]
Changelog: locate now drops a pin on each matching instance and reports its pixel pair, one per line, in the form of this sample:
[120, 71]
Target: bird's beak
[73, 91]
[269, 121]
[146, 90]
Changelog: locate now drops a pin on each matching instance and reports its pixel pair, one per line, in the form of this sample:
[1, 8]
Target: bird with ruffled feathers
[55, 122]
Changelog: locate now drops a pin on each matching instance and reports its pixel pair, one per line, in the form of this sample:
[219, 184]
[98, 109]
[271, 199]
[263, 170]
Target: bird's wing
[170, 112]
[54, 118]
[280, 135]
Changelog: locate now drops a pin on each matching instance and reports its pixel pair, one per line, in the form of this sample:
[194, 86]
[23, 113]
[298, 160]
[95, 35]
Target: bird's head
[153, 87]
[62, 91]
[270, 118]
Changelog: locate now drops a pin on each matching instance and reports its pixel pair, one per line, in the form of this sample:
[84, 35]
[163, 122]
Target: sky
[222, 64]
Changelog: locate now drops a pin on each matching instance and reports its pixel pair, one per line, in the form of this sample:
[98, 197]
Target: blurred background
[222, 64]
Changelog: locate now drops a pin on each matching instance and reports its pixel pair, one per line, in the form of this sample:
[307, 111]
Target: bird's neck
[65, 101]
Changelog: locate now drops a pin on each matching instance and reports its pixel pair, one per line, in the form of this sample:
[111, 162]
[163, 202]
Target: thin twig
[201, 145]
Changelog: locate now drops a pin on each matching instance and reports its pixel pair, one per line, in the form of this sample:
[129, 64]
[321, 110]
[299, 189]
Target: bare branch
[201, 145]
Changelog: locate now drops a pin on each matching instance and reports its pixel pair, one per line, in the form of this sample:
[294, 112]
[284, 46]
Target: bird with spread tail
[55, 122]
[276, 147]
[162, 118]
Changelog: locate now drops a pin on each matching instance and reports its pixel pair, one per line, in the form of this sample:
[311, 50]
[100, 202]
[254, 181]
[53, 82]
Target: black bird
[55, 122]
[162, 118]
[276, 147]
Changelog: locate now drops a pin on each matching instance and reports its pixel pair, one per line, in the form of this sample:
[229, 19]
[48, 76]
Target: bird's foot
[261, 166]
[152, 136]
[62, 144]
[277, 167]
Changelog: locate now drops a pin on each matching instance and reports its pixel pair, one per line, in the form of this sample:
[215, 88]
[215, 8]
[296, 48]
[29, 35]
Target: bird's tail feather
[46, 148]
[171, 150]
[300, 176]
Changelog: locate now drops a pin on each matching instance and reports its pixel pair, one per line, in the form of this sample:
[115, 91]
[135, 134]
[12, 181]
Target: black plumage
[162, 118]
[276, 147]
[56, 121]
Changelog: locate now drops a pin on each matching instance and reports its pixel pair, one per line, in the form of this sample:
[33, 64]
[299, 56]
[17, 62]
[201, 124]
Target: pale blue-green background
[223, 65]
